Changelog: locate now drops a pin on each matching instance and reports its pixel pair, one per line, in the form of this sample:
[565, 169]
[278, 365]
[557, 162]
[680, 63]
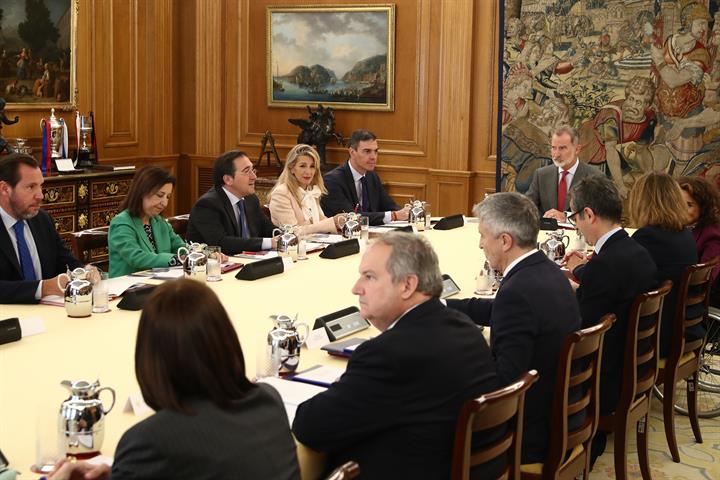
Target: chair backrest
[494, 410]
[85, 241]
[576, 405]
[345, 471]
[692, 306]
[642, 346]
[179, 224]
[266, 211]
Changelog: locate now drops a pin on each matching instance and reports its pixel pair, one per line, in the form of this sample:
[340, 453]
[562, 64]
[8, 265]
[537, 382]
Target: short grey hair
[567, 130]
[413, 255]
[512, 213]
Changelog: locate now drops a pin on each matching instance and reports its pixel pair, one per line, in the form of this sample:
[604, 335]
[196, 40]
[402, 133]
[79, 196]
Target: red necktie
[562, 191]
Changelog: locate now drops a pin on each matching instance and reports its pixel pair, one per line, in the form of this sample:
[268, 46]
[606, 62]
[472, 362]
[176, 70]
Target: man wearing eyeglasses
[550, 185]
[229, 214]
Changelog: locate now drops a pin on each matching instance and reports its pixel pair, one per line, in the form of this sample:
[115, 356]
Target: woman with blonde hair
[295, 199]
[659, 211]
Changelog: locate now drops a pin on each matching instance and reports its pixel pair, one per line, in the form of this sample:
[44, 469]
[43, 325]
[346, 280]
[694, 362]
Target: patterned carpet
[699, 460]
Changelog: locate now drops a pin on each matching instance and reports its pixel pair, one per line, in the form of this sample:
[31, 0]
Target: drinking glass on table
[364, 221]
[49, 444]
[100, 293]
[214, 263]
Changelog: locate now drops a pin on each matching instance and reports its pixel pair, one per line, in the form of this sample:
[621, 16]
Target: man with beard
[550, 184]
[33, 255]
[620, 122]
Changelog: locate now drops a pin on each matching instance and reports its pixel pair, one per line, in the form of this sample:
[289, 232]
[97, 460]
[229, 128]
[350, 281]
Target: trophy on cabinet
[85, 129]
[54, 142]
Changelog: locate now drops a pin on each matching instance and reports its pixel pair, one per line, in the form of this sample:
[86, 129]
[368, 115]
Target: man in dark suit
[550, 184]
[355, 187]
[532, 314]
[229, 214]
[32, 254]
[395, 408]
[618, 271]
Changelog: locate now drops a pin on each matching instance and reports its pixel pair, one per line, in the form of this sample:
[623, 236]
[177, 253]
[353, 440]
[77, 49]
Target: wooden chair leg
[692, 406]
[669, 417]
[621, 446]
[642, 447]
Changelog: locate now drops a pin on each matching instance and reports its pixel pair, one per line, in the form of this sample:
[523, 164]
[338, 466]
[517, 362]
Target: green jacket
[130, 250]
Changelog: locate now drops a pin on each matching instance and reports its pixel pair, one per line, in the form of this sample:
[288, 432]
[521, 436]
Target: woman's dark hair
[707, 197]
[146, 181]
[186, 348]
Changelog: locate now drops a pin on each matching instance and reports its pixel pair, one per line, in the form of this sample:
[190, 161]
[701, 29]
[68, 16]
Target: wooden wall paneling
[451, 188]
[209, 76]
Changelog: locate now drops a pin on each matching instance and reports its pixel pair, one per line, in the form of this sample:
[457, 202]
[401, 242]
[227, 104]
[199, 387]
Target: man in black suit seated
[32, 253]
[229, 214]
[355, 187]
[618, 271]
[532, 314]
[395, 408]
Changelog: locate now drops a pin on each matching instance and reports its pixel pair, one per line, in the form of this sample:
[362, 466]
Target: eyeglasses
[571, 220]
[248, 171]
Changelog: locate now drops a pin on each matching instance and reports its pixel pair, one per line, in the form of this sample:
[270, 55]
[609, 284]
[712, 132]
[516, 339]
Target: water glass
[49, 444]
[100, 293]
[302, 249]
[484, 284]
[214, 263]
[364, 228]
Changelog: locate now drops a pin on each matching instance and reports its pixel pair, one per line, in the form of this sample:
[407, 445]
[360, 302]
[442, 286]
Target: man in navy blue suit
[532, 314]
[355, 187]
[32, 254]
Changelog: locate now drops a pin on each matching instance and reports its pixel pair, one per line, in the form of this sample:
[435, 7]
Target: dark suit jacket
[213, 221]
[252, 441]
[532, 314]
[544, 186]
[609, 283]
[673, 252]
[55, 258]
[395, 408]
[342, 195]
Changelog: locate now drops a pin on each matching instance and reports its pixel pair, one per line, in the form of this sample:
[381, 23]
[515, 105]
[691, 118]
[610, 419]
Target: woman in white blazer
[295, 199]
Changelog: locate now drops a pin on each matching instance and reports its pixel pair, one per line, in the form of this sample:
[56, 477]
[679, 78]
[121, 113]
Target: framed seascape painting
[340, 56]
[37, 53]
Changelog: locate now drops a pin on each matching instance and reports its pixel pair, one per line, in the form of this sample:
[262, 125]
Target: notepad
[321, 375]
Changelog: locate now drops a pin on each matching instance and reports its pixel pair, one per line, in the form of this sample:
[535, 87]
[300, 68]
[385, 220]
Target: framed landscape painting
[340, 56]
[37, 53]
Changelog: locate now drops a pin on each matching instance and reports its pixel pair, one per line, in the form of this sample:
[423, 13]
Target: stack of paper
[292, 393]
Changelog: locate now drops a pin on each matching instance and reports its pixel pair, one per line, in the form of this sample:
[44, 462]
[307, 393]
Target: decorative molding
[209, 75]
[123, 75]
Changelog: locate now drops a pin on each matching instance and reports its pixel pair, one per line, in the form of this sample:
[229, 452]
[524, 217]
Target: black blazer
[342, 195]
[55, 258]
[532, 313]
[253, 441]
[395, 408]
[609, 283]
[673, 252]
[213, 221]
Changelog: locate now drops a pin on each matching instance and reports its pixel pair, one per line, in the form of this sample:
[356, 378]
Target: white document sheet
[292, 393]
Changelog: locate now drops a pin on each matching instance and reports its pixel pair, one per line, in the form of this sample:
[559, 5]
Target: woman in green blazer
[140, 238]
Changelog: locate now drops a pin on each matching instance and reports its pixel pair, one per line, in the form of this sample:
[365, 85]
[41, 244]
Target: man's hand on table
[67, 470]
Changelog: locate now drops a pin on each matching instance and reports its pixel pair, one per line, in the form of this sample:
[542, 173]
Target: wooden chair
[266, 211]
[179, 224]
[578, 371]
[683, 360]
[345, 472]
[642, 344]
[85, 241]
[492, 411]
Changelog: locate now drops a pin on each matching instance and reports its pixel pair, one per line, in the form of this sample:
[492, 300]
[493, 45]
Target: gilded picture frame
[341, 56]
[38, 64]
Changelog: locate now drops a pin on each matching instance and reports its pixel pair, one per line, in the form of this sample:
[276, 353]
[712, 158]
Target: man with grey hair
[532, 313]
[550, 184]
[395, 408]
[355, 187]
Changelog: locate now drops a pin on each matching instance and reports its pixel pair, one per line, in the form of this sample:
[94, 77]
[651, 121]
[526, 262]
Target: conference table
[102, 346]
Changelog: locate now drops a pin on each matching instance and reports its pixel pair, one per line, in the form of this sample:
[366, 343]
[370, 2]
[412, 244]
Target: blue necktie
[365, 207]
[244, 233]
[26, 263]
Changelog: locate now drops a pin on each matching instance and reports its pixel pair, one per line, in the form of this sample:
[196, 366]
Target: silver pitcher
[285, 341]
[288, 242]
[78, 292]
[194, 261]
[352, 228]
[555, 246]
[81, 422]
[416, 214]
